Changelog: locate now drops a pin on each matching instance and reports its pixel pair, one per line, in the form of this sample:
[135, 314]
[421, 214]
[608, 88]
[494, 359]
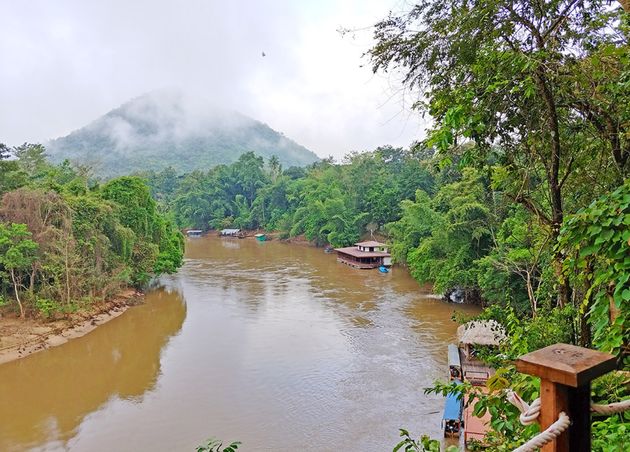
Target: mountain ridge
[161, 129]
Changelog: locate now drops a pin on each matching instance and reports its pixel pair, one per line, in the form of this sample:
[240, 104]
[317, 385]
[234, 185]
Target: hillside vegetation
[66, 242]
[162, 129]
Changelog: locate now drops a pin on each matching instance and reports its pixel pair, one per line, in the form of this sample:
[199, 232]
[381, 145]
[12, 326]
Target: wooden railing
[566, 372]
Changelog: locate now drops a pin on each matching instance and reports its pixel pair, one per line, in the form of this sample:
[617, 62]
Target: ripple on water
[280, 347]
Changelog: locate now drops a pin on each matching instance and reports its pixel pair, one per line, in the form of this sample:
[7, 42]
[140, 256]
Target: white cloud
[64, 63]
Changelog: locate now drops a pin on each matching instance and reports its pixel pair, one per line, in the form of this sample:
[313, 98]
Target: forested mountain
[165, 128]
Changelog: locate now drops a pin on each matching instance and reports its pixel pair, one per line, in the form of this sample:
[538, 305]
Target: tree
[17, 253]
[502, 74]
[11, 176]
[157, 246]
[597, 241]
[417, 222]
[460, 223]
[137, 207]
[31, 158]
[48, 219]
[275, 168]
[249, 174]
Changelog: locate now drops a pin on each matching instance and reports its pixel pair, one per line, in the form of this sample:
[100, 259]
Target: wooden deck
[475, 371]
[475, 428]
[361, 265]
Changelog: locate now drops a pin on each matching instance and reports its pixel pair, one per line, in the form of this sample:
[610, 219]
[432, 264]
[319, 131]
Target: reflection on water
[46, 396]
[281, 347]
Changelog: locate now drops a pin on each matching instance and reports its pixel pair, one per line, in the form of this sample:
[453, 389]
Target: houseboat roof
[194, 231]
[353, 251]
[481, 332]
[370, 243]
[230, 231]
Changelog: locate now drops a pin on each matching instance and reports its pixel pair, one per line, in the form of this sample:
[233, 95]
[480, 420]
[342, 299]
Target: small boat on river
[383, 269]
[261, 237]
[454, 363]
[452, 418]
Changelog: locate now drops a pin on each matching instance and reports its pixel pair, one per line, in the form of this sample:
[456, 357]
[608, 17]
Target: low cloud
[65, 63]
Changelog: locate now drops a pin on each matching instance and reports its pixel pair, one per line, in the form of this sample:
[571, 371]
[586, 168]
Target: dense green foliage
[162, 129]
[66, 242]
[534, 96]
[215, 445]
[327, 203]
[597, 242]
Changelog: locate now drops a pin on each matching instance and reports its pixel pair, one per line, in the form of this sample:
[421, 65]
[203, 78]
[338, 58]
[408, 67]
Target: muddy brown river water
[277, 346]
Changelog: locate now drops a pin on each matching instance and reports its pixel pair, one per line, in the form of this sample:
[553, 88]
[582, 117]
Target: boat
[464, 364]
[194, 232]
[229, 232]
[383, 269]
[260, 237]
[454, 363]
[452, 418]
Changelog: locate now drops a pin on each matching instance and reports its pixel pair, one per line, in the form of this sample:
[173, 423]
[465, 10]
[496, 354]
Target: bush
[214, 445]
[47, 308]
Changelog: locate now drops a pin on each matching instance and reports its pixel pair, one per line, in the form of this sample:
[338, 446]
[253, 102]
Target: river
[275, 345]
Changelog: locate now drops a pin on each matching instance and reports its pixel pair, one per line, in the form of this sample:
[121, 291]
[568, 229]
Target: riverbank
[23, 337]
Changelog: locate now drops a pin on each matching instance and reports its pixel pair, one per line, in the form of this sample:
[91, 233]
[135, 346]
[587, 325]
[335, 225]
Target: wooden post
[565, 373]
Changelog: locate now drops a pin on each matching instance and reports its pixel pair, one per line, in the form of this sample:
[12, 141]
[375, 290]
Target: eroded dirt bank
[23, 337]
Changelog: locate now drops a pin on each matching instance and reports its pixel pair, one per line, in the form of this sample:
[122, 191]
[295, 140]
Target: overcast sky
[64, 63]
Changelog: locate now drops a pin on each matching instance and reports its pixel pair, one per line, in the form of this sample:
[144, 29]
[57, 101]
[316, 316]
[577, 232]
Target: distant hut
[230, 232]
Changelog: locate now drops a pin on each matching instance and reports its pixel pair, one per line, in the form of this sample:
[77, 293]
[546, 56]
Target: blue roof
[453, 407]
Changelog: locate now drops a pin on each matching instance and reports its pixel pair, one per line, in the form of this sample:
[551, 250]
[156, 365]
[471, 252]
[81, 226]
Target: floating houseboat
[194, 232]
[463, 364]
[229, 232]
[364, 255]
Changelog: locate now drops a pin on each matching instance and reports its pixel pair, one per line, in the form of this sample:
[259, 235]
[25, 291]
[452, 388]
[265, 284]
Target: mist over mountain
[167, 128]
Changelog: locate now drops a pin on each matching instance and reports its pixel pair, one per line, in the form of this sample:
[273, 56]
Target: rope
[551, 433]
[529, 414]
[611, 408]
